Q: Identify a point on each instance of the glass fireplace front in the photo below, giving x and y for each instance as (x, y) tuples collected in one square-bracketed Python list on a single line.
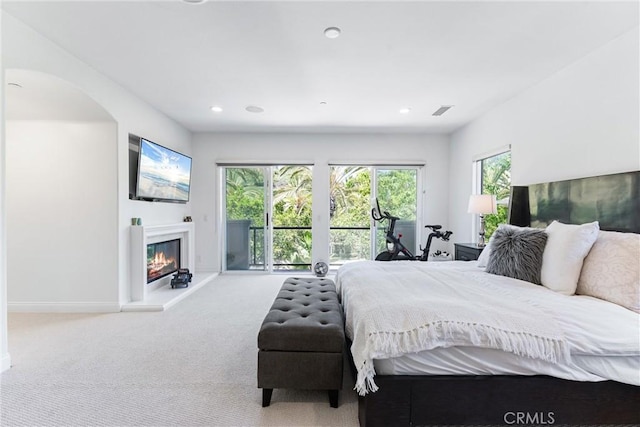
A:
[(163, 258)]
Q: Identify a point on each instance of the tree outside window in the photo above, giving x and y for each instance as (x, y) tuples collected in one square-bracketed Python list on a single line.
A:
[(496, 179), (350, 192)]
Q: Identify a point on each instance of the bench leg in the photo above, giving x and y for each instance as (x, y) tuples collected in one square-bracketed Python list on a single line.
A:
[(333, 398), (266, 397)]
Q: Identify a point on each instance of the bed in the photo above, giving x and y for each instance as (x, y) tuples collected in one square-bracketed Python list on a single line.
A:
[(553, 339)]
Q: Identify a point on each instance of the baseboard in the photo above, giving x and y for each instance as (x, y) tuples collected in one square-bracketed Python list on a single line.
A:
[(62, 307), (5, 362), (207, 269)]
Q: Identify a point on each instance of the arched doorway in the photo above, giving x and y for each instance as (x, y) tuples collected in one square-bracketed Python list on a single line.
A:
[(61, 197)]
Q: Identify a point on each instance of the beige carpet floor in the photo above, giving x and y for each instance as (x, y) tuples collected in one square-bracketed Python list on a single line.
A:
[(192, 365)]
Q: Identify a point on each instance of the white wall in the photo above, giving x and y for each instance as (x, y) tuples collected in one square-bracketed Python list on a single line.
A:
[(23, 48), (5, 357), (319, 150), (62, 252), (582, 121)]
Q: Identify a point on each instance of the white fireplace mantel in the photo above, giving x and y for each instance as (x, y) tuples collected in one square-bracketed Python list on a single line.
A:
[(141, 235)]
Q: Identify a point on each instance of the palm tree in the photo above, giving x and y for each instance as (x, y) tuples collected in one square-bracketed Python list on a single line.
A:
[(244, 194), (293, 187), (496, 179), (344, 188), (248, 180), (496, 175)]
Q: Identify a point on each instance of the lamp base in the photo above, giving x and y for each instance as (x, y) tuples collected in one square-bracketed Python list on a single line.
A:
[(481, 233)]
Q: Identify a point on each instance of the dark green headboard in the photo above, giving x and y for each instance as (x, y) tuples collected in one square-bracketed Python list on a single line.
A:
[(613, 200)]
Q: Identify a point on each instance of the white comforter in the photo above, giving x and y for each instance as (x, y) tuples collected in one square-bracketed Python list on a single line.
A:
[(395, 308)]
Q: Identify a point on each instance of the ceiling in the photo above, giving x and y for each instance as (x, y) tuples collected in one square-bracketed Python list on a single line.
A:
[(37, 97), (184, 58)]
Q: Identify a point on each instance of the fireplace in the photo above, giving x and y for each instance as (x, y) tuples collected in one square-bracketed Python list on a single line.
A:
[(144, 235), (163, 258)]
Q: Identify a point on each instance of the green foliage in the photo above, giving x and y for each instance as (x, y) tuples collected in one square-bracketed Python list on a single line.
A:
[(292, 195), (491, 222), (397, 192), (245, 194), (350, 201), (496, 179), (350, 193)]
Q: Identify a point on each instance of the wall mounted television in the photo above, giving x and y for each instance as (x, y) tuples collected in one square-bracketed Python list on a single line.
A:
[(163, 175)]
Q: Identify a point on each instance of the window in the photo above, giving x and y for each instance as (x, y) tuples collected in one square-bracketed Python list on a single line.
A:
[(349, 214), (268, 217), (268, 221), (493, 176), (353, 235)]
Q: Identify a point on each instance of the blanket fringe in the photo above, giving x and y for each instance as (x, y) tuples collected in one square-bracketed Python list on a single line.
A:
[(364, 382), (451, 333)]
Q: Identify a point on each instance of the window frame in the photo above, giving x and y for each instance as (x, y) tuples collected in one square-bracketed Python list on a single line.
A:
[(477, 184)]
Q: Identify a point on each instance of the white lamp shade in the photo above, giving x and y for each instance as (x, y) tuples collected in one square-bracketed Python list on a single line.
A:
[(482, 204)]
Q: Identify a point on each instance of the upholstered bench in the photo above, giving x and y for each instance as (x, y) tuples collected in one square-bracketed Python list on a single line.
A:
[(301, 341)]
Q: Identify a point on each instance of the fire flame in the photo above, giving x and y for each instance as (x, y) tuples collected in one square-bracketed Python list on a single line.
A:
[(158, 263)]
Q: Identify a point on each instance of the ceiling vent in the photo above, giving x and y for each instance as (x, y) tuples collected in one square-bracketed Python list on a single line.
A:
[(443, 109)]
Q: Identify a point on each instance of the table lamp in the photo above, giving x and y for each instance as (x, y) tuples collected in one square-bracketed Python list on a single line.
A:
[(482, 204)]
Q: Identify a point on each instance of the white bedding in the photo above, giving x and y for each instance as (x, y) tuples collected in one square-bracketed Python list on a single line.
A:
[(482, 361), (603, 338)]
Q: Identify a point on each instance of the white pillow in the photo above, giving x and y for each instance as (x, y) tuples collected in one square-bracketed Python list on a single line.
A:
[(567, 246), (483, 259), (611, 271)]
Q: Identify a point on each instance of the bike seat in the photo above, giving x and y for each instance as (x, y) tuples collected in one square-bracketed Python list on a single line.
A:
[(433, 227)]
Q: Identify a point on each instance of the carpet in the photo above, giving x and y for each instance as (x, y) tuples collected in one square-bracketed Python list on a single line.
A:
[(192, 365)]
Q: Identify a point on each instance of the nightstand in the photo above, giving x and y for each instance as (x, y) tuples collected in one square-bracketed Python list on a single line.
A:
[(467, 251)]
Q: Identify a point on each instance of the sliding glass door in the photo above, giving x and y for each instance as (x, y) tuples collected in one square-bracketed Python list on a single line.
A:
[(349, 214), (397, 192), (246, 218), (268, 218), (268, 214), (291, 213), (353, 235)]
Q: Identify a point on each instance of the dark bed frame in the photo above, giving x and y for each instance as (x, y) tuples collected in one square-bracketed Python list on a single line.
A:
[(613, 200)]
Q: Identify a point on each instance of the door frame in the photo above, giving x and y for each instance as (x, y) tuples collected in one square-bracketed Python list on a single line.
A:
[(268, 171), (222, 169), (419, 204)]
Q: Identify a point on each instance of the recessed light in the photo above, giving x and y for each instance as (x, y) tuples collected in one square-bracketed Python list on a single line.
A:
[(216, 109), (405, 110), (193, 1), (323, 102), (254, 109), (332, 32)]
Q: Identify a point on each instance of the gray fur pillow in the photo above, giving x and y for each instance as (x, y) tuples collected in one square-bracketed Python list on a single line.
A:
[(517, 253)]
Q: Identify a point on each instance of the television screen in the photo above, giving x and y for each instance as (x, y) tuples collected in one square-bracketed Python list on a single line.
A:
[(163, 174)]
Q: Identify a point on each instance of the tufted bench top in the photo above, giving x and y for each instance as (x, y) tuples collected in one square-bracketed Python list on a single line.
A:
[(306, 317)]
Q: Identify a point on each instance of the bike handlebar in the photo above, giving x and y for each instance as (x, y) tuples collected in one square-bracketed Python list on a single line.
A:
[(389, 216), (378, 215), (446, 235)]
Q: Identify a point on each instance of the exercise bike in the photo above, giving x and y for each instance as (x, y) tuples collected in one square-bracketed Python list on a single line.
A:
[(396, 251), (435, 232)]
